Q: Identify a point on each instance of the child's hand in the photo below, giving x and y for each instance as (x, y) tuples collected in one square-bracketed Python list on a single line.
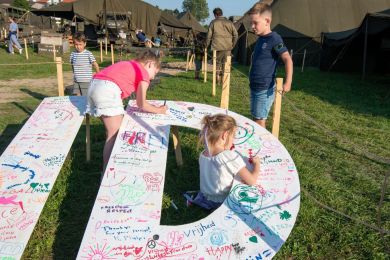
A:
[(163, 109), (286, 87), (256, 160)]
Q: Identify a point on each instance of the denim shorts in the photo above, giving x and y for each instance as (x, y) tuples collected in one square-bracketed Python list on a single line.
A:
[(261, 102), (104, 99)]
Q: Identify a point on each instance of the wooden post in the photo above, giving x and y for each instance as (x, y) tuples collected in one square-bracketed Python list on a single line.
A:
[(54, 53), (277, 107), (191, 61), (112, 54), (32, 40), (60, 77), (214, 71), (303, 61), (105, 41), (101, 51), (188, 60), (87, 138), (1, 34), (205, 65), (226, 84), (177, 145), (25, 48)]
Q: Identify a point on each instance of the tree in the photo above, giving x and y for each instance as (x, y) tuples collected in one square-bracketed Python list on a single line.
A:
[(21, 4), (198, 8), (172, 12)]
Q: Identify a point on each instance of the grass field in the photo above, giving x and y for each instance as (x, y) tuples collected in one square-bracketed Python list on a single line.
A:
[(351, 119)]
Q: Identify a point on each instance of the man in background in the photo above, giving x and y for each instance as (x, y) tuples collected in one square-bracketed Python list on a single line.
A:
[(222, 36)]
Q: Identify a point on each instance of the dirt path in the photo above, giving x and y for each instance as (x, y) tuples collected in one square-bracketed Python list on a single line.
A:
[(18, 89)]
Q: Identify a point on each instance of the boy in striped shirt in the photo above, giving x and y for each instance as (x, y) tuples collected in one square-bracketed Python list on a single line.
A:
[(82, 61)]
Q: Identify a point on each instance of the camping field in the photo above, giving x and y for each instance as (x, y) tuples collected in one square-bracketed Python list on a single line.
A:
[(335, 127)]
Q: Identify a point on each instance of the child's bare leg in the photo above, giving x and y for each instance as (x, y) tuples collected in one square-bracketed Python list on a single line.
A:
[(260, 122), (112, 125)]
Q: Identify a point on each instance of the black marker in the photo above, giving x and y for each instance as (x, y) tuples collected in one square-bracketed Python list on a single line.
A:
[(165, 101)]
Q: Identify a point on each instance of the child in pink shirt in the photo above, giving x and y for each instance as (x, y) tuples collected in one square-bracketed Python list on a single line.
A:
[(117, 82)]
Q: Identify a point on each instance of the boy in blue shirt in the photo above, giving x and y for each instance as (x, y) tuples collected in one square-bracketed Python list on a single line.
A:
[(13, 37), (269, 48)]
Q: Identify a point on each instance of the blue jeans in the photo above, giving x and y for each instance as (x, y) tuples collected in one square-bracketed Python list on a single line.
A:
[(13, 40), (261, 102)]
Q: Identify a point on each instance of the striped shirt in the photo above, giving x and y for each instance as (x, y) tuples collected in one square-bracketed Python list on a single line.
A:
[(82, 65)]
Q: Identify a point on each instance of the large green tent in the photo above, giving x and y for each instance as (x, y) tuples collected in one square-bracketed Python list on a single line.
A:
[(188, 19), (143, 15)]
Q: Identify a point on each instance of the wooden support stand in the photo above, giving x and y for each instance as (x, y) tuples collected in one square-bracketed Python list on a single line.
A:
[(214, 72), (112, 54), (277, 107), (191, 61), (105, 42), (25, 48), (87, 138), (54, 53), (60, 77), (205, 65), (177, 145), (188, 60), (303, 61), (226, 84), (101, 51)]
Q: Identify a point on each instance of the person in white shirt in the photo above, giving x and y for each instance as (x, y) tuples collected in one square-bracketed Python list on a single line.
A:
[(218, 163)]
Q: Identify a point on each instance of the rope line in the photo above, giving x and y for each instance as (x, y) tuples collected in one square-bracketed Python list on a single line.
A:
[(380, 230), (354, 147), (26, 64)]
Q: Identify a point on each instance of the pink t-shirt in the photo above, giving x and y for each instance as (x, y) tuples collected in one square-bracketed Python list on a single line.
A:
[(126, 74)]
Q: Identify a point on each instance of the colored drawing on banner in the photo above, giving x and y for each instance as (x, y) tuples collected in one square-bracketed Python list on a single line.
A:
[(30, 165), (253, 222)]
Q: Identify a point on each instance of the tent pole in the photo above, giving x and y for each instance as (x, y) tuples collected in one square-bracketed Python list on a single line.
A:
[(365, 50), (105, 18)]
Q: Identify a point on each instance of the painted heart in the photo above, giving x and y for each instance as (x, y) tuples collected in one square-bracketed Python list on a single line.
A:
[(253, 239), (138, 250)]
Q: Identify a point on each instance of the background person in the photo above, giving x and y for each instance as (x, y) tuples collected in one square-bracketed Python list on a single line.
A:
[(82, 61), (13, 36), (269, 48), (218, 163), (222, 35), (118, 82)]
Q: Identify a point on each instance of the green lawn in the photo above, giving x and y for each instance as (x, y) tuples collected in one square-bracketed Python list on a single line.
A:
[(333, 167)]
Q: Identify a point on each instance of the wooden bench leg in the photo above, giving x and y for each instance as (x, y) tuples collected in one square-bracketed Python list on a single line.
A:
[(87, 138), (176, 145)]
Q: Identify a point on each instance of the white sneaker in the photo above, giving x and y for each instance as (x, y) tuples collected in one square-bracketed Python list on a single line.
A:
[(12, 53), (21, 51)]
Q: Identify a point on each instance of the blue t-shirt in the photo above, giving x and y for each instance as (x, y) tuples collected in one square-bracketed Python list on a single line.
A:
[(141, 37), (264, 61), (13, 27)]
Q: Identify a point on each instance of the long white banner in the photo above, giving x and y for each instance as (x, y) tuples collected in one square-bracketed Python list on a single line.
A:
[(30, 165)]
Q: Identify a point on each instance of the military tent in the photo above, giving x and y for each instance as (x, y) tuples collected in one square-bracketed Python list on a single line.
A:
[(188, 19), (143, 15), (365, 49)]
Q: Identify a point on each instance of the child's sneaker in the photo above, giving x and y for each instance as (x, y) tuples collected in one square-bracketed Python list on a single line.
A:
[(21, 51)]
